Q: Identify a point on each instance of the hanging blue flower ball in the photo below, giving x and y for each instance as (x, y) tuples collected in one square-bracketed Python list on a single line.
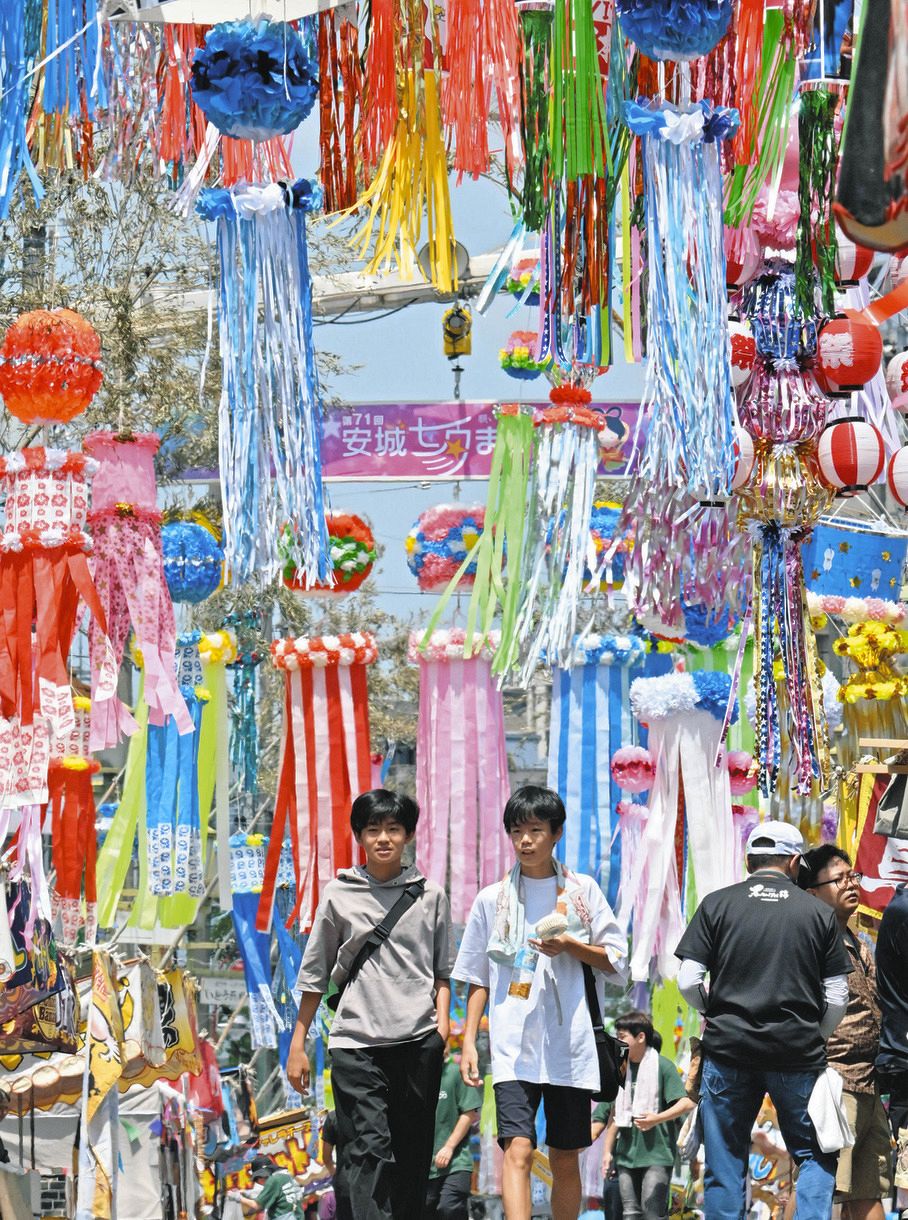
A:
[(254, 79), (675, 29), (193, 559), (705, 626)]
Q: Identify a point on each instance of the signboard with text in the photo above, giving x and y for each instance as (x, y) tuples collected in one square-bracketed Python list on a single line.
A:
[(417, 442)]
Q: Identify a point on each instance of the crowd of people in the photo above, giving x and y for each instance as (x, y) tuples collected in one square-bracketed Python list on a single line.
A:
[(785, 984)]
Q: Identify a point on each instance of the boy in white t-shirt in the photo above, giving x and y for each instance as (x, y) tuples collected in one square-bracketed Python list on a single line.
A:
[(540, 1028)]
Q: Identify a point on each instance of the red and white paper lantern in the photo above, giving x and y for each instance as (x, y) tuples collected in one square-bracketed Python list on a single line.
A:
[(897, 476), (849, 353), (743, 352), (743, 257), (851, 455), (852, 262), (745, 456), (897, 381)]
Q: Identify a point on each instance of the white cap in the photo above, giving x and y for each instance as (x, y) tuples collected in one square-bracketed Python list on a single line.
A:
[(774, 839)]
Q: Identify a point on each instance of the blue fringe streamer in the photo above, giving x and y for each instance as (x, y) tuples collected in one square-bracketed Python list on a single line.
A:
[(20, 31)]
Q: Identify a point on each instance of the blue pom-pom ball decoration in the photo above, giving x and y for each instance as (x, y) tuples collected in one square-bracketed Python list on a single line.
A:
[(675, 29), (254, 79), (193, 560)]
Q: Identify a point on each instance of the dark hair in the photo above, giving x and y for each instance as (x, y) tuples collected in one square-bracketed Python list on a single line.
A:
[(636, 1022), (759, 861), (657, 1040), (380, 805), (534, 802), (814, 861)]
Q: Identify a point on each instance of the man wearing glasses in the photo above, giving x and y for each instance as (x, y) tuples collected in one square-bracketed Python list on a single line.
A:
[(864, 1172)]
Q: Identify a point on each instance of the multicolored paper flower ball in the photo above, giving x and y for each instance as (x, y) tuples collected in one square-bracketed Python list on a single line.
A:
[(352, 552), (50, 366), (517, 356), (523, 278), (674, 29), (440, 541), (193, 560), (254, 79), (633, 769)]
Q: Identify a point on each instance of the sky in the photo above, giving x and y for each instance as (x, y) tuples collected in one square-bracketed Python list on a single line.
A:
[(400, 360)]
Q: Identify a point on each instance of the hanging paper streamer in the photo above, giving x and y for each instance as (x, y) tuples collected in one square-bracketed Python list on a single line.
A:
[(173, 832), (270, 402), (247, 870), (560, 546), (244, 632), (690, 435), (129, 574), (684, 714), (818, 159), (44, 573), (340, 94), (461, 766), (325, 763), (501, 542), (216, 651), (20, 30), (536, 29), (72, 827), (577, 117), (589, 717)]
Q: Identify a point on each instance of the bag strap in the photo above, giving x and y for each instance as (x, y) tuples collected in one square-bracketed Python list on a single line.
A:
[(380, 934), (592, 999)]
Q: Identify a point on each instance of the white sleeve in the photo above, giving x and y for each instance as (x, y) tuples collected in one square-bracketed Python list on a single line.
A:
[(472, 964), (606, 932), (835, 989), (692, 984)]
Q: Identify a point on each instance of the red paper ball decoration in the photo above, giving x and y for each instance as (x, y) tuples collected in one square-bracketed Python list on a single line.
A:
[(743, 352), (851, 455), (852, 262), (50, 366), (897, 381), (849, 353), (897, 475), (745, 456)]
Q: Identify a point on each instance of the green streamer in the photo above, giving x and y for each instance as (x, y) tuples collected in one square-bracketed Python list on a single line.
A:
[(116, 852), (501, 542), (777, 82), (536, 25), (816, 189), (577, 122)]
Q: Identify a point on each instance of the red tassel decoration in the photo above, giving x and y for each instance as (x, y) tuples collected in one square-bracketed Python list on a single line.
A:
[(340, 94), (380, 100), (465, 91)]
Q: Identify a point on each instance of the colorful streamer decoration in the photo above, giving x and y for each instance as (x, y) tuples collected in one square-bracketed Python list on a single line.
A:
[(132, 587), (590, 714), (72, 828), (247, 874), (684, 713), (461, 765), (173, 829), (270, 401), (690, 436), (44, 573), (340, 95), (325, 763)]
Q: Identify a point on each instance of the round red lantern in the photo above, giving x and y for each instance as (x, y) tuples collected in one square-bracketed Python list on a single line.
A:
[(743, 352), (50, 366), (743, 257), (897, 475), (851, 455), (745, 456), (897, 381), (849, 353), (852, 262)]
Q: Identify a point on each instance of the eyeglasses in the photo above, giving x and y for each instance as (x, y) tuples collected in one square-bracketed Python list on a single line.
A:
[(851, 878)]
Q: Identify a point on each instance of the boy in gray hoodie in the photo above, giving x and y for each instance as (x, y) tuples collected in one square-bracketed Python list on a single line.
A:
[(387, 1041)]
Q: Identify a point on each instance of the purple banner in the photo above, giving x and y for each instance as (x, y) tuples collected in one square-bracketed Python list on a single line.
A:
[(417, 441)]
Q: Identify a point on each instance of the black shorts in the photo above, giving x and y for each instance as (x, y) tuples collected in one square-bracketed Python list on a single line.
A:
[(567, 1113)]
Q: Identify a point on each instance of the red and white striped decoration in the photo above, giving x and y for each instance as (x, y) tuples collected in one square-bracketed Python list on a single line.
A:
[(897, 381), (745, 456), (851, 455), (897, 475), (743, 352), (849, 352), (852, 262)]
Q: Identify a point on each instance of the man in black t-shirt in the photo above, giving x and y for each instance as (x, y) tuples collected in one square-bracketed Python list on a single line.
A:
[(892, 989), (777, 988)]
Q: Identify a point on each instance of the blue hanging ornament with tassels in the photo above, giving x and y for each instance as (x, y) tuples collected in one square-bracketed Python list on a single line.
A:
[(676, 30)]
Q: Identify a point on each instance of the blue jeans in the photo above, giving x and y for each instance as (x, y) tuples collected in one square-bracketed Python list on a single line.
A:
[(730, 1100)]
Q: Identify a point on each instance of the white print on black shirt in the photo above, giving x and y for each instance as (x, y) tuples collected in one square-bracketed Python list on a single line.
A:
[(765, 894)]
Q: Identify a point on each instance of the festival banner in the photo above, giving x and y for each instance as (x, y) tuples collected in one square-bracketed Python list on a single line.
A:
[(419, 441)]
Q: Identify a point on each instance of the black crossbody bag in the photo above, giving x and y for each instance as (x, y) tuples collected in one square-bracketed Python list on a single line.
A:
[(376, 937), (610, 1051)]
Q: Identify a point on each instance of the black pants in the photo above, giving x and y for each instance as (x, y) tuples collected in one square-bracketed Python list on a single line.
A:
[(448, 1197), (384, 1101)]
